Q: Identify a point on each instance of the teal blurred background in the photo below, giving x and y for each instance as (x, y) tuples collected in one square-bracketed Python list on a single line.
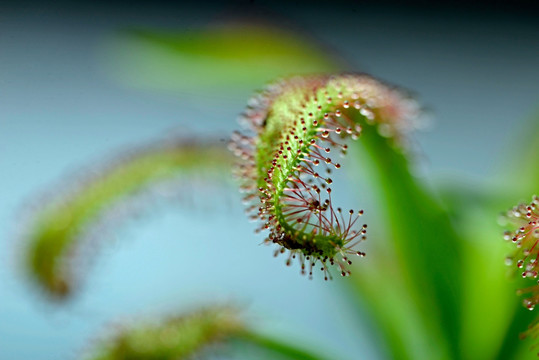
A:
[(71, 95)]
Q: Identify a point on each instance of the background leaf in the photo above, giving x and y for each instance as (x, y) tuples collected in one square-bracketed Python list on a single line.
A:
[(424, 253), (58, 227), (213, 60)]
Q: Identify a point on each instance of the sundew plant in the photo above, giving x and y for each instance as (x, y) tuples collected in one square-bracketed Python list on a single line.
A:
[(442, 283)]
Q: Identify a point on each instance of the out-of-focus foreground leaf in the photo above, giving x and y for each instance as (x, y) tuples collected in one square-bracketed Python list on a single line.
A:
[(487, 316), (212, 60), (177, 337), (58, 227), (518, 179), (413, 287), (196, 333), (492, 315)]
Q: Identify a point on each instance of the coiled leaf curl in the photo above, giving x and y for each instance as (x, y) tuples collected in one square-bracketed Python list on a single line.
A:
[(286, 160)]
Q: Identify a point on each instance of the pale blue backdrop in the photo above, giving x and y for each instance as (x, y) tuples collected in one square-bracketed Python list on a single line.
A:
[(60, 112)]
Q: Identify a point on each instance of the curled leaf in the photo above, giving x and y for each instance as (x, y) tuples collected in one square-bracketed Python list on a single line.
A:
[(286, 161), (57, 229)]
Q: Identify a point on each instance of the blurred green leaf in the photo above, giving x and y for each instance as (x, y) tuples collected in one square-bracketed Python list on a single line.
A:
[(426, 253), (516, 181), (278, 348), (57, 228), (213, 60), (490, 302), (387, 305), (176, 337), (194, 334)]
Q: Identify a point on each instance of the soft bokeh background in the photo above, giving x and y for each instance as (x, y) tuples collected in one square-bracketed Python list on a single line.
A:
[(71, 96)]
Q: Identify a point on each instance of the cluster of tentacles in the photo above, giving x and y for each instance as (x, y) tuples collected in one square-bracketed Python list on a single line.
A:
[(526, 239), (286, 160)]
